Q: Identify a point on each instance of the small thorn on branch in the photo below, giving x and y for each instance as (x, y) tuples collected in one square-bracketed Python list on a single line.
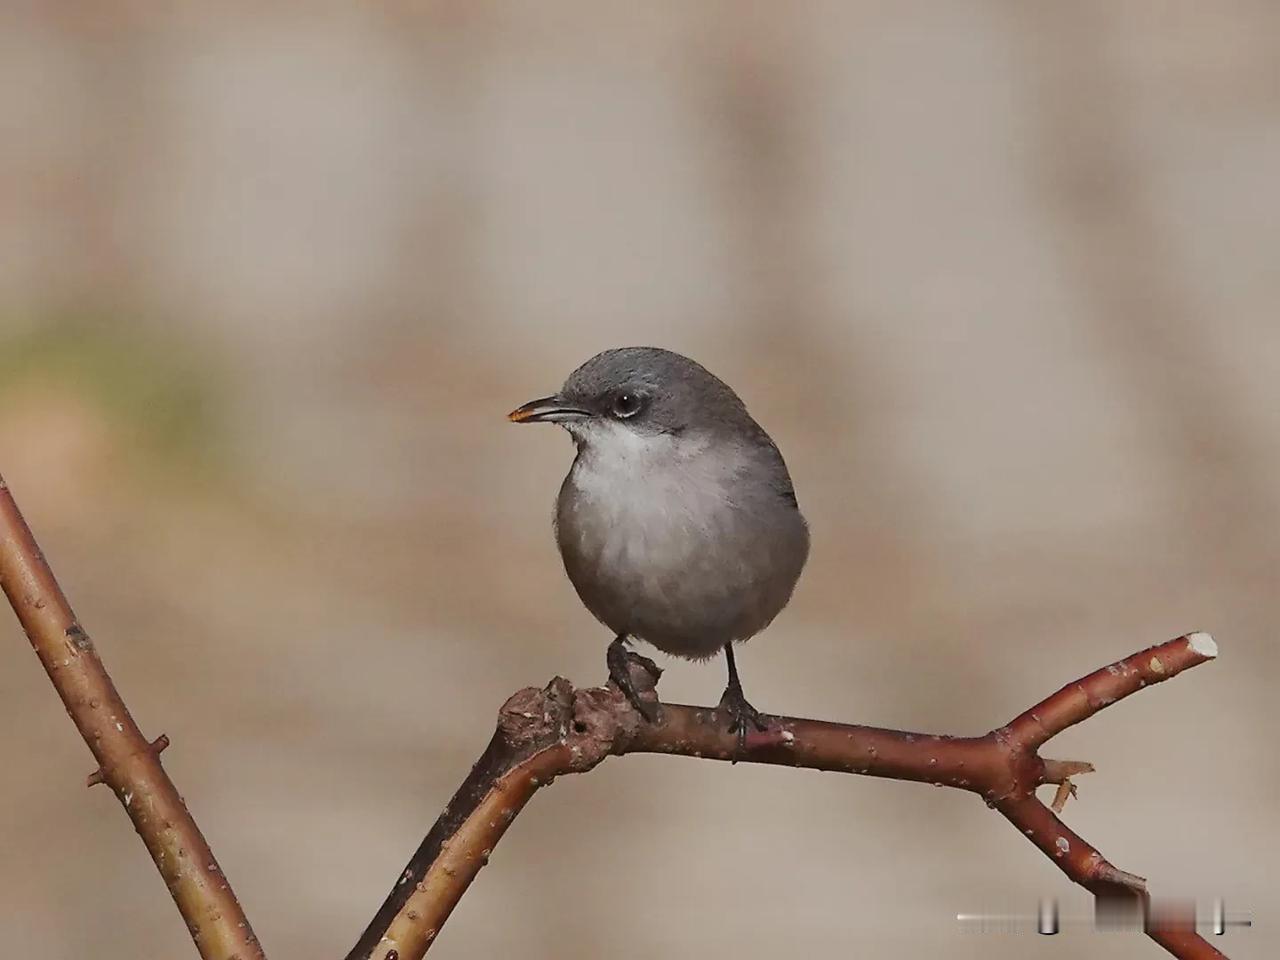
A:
[(1121, 878), (210, 909), (1065, 789), (158, 746), (1061, 772)]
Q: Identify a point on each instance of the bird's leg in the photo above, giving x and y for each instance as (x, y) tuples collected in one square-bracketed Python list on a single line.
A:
[(619, 659), (735, 704)]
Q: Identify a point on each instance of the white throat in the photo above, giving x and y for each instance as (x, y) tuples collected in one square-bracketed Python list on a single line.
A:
[(645, 476)]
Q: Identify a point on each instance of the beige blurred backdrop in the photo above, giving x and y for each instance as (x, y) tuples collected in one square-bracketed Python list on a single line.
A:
[(1001, 278)]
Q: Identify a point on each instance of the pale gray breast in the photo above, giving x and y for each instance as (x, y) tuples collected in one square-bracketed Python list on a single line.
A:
[(665, 539)]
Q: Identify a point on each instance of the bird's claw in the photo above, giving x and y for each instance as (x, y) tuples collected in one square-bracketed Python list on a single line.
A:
[(741, 716), (620, 659)]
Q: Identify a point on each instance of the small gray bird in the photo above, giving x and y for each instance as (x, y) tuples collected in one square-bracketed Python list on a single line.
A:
[(677, 523)]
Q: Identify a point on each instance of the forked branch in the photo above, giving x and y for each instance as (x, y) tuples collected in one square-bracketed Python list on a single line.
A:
[(543, 733)]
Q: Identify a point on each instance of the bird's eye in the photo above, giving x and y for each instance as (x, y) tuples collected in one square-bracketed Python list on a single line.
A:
[(627, 405)]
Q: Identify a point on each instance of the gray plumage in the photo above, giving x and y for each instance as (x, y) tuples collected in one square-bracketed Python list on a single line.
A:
[(677, 523)]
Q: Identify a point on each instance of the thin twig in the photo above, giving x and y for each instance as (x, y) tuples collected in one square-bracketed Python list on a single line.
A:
[(127, 761), (544, 733)]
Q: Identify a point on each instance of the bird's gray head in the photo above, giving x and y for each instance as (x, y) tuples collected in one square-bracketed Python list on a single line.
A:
[(645, 393)]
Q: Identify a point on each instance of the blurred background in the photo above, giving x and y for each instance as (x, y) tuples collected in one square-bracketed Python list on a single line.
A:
[(1000, 278)]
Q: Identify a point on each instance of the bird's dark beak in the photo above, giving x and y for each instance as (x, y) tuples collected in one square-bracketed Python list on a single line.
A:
[(547, 410)]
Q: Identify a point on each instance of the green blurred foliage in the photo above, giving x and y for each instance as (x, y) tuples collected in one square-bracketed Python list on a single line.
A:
[(153, 390)]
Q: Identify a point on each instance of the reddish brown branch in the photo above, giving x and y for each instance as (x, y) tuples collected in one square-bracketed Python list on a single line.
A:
[(127, 761), (544, 733)]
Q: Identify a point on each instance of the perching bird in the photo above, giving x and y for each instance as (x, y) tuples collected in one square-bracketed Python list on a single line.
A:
[(677, 523)]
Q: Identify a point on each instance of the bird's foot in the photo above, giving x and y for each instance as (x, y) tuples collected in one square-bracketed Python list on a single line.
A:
[(620, 661), (741, 715)]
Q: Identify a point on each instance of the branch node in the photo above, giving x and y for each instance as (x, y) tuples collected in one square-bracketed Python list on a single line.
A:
[(534, 716), (155, 747)]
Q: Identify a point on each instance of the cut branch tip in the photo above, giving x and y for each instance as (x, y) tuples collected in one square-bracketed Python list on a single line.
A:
[(1203, 644)]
